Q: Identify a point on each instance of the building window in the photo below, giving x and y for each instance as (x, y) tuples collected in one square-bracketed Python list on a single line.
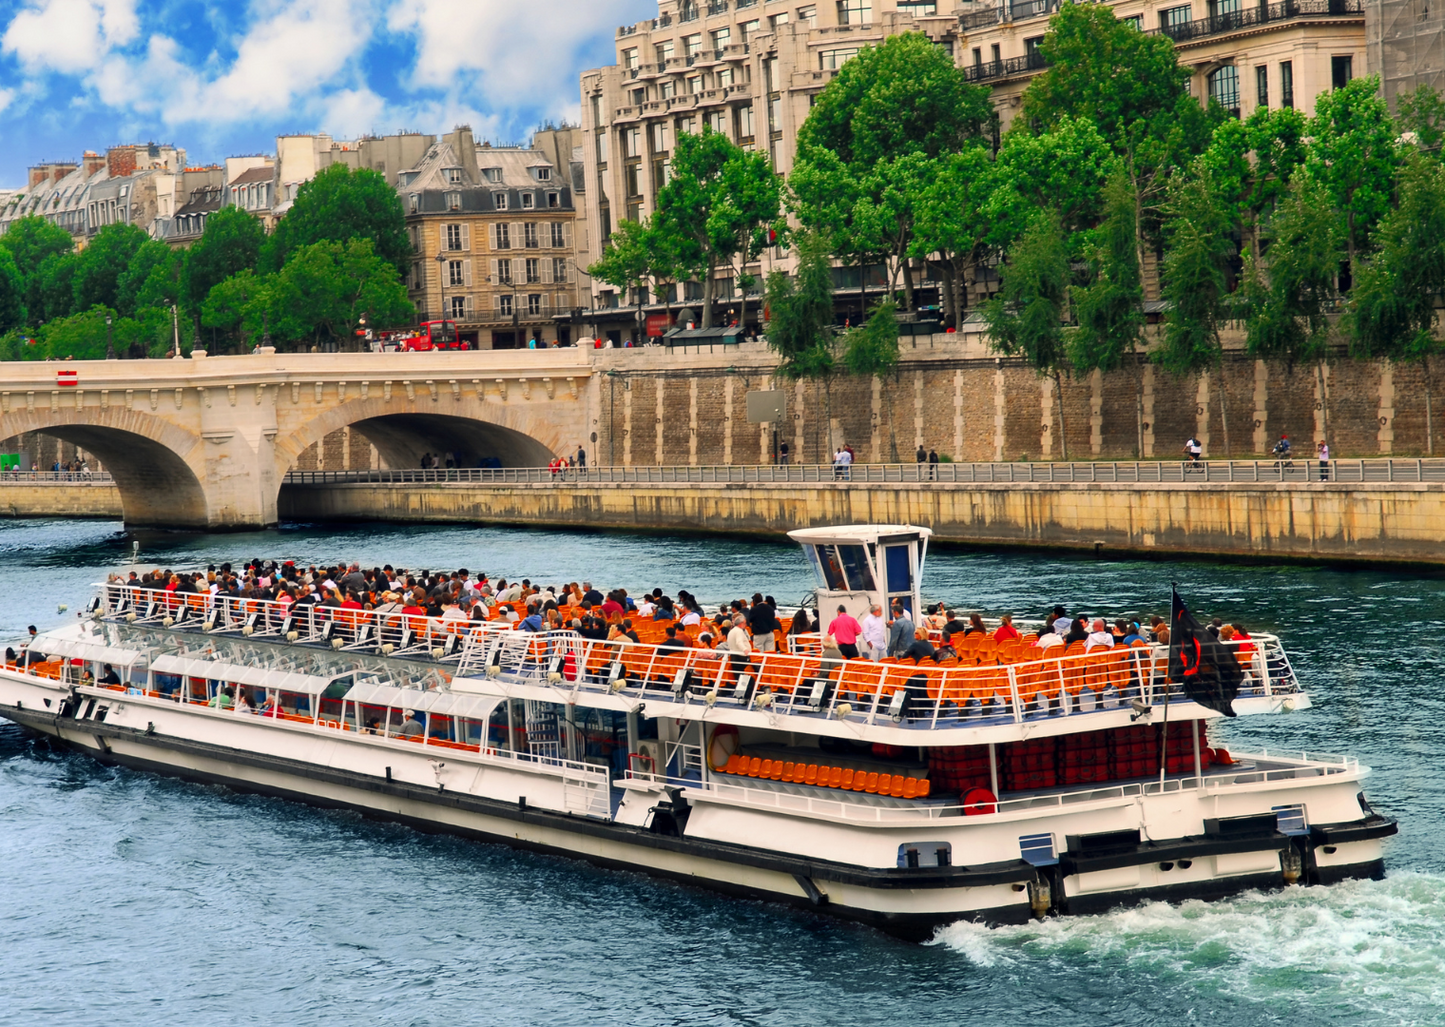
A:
[(499, 200), (504, 236), (995, 54), (777, 20), (534, 304), (745, 123), (692, 45), (1286, 83), (632, 142), (455, 275), (667, 90), (852, 12), (748, 29), (454, 201), (918, 8), (454, 237), (554, 199), (629, 58), (718, 121), (1261, 86), (415, 204), (529, 200), (454, 176), (639, 96), (534, 270), (1342, 69), (492, 174), (529, 235), (601, 146), (504, 305), (664, 54), (687, 125), (1135, 20), (1173, 17), (1224, 88), (504, 271), (831, 60), (808, 16), (722, 38), (724, 77), (1222, 9), (544, 174), (694, 85), (459, 307), (559, 269), (558, 237), (632, 177), (687, 10), (661, 137)]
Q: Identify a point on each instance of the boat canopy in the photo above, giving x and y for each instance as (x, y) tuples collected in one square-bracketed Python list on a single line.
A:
[(234, 673), (443, 704), (87, 649)]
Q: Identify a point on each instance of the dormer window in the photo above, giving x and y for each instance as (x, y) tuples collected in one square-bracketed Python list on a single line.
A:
[(492, 174), (528, 201), (544, 174), (415, 203), (454, 176), (454, 201), (500, 200)]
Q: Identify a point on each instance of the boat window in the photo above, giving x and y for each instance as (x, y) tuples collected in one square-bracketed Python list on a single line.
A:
[(925, 854), (900, 576), (829, 570), (855, 563)]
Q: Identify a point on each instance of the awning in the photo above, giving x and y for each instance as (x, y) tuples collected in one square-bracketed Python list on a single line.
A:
[(80, 649), (236, 674), (442, 704)]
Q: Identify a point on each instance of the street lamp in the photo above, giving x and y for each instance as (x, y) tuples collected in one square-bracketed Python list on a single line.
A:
[(109, 344), (441, 280)]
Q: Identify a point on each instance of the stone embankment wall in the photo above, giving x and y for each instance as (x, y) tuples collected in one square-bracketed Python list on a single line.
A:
[(1383, 523), (43, 499), (950, 395)]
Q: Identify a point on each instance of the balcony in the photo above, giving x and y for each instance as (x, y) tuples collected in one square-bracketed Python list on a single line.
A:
[(687, 14), (626, 30), (720, 7), (978, 19), (1010, 68), (662, 22), (735, 51), (1026, 9), (1264, 14)]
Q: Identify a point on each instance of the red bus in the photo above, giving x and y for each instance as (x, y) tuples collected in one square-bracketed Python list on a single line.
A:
[(433, 335)]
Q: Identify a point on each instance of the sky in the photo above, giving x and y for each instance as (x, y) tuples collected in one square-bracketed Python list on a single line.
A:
[(225, 79)]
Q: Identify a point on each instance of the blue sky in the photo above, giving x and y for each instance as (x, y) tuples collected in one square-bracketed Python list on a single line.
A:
[(224, 79)]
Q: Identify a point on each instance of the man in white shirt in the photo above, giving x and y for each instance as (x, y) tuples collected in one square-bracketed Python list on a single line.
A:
[(875, 632), (1101, 636), (738, 639), (1049, 639), (645, 606)]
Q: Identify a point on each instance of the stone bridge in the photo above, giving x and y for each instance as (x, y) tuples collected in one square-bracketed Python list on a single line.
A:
[(205, 442)]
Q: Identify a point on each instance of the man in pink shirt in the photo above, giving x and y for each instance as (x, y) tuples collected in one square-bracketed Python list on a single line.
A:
[(845, 631)]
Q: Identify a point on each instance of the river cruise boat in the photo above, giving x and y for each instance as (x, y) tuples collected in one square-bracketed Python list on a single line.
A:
[(1003, 783)]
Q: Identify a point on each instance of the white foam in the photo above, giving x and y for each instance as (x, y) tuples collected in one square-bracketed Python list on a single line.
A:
[(1374, 946)]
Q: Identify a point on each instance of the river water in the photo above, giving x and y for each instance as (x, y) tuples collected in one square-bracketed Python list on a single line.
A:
[(134, 899)]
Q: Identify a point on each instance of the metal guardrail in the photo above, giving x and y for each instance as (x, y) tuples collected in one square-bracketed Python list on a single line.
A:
[(56, 478), (1142, 472)]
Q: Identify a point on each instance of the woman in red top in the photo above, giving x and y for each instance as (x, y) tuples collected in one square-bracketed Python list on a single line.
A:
[(1006, 629)]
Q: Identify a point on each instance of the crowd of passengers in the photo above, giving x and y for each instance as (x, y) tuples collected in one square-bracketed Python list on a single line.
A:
[(741, 626)]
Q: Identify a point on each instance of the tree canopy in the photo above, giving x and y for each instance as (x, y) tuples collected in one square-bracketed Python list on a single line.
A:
[(339, 204)]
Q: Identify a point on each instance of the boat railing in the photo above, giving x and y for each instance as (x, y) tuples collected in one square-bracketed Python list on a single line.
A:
[(871, 809), (983, 687)]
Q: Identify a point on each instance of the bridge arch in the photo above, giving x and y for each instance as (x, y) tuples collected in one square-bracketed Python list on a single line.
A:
[(403, 430), (153, 461)]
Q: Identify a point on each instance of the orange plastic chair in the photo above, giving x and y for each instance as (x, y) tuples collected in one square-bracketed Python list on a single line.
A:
[(755, 766), (767, 769), (788, 771), (835, 776), (860, 781), (909, 788), (777, 774), (810, 776), (899, 781), (872, 786), (846, 782), (923, 787), (885, 784)]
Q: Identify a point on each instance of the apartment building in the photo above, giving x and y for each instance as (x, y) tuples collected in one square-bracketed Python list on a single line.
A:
[(751, 68), (493, 230)]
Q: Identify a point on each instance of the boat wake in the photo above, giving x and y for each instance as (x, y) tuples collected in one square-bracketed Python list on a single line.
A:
[(1373, 948)]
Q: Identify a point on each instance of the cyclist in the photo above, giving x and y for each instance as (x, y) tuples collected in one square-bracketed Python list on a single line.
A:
[(1282, 452), (1193, 450)]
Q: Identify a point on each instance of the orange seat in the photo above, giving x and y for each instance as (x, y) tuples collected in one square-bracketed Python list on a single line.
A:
[(846, 781), (860, 781), (777, 774), (872, 786), (733, 765), (885, 783), (909, 788), (767, 769), (810, 776), (923, 787), (896, 790), (835, 776), (788, 771), (755, 766)]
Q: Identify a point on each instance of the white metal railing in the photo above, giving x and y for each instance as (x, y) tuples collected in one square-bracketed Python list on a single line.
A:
[(1148, 472), (988, 686), (17, 477)]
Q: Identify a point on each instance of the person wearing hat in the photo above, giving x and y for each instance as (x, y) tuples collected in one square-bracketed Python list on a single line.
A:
[(411, 725)]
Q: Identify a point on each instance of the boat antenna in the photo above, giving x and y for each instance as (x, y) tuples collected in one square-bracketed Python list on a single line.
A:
[(134, 552)]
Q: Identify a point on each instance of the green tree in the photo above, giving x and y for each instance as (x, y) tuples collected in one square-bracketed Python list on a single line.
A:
[(338, 205), (230, 244), (1195, 278), (237, 307), (717, 199), (12, 293), (1025, 319), (1109, 309), (324, 289), (868, 145), (134, 287), (800, 311), (1352, 152), (99, 266), (1065, 168), (1290, 294), (30, 241), (54, 287), (951, 221), (1391, 313), (1422, 113), (626, 262)]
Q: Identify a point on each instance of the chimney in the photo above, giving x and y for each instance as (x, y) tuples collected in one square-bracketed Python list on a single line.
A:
[(120, 161), (465, 148), (94, 162)]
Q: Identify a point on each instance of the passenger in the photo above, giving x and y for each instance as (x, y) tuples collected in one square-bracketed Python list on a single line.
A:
[(109, 676), (1060, 623), (1048, 639), (975, 626), (1132, 635), (373, 726), (673, 640), (272, 706), (224, 699), (738, 641), (1006, 630), (936, 618), (875, 633), (1100, 637), (411, 725), (920, 648), (900, 630), (1077, 631), (762, 622), (953, 626), (801, 624), (243, 705), (845, 631)]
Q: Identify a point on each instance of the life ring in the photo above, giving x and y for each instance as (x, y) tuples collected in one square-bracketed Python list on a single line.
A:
[(978, 802), (723, 745)]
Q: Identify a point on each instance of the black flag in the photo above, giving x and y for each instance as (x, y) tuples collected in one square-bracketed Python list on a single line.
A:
[(1204, 665)]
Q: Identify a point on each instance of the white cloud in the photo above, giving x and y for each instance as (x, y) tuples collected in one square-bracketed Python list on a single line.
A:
[(510, 53), (7, 96), (69, 35)]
